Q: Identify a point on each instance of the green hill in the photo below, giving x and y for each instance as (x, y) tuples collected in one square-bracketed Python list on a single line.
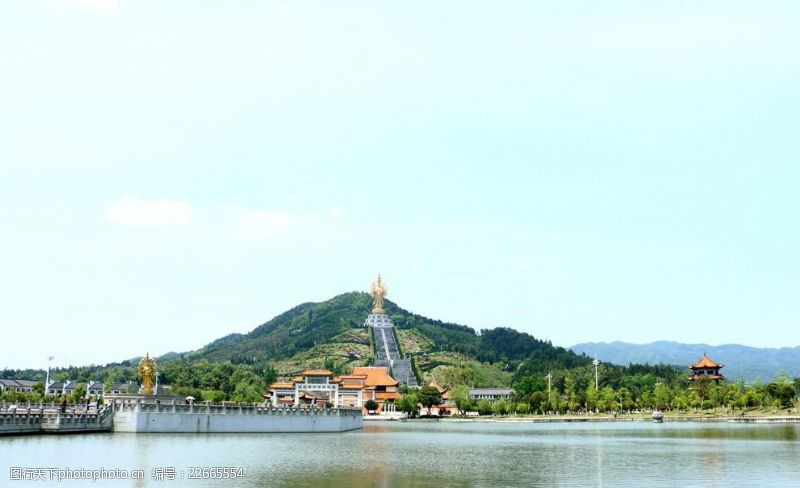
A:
[(329, 334)]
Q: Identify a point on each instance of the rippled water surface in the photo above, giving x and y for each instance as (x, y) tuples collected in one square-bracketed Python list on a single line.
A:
[(440, 454)]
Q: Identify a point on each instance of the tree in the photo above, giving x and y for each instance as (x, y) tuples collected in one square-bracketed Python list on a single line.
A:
[(500, 407), (591, 397), (408, 404), (460, 395), (662, 396), (702, 385), (428, 397), (783, 393), (371, 406), (625, 398), (538, 400), (606, 399), (212, 395), (527, 385), (484, 407), (246, 392), (79, 393)]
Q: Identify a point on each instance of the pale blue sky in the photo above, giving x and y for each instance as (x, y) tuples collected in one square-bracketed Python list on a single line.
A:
[(172, 172)]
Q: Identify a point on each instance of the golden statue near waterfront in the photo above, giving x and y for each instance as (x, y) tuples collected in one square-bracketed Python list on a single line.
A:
[(147, 368), (379, 290)]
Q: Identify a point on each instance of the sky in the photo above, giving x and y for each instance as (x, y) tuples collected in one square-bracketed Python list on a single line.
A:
[(175, 171)]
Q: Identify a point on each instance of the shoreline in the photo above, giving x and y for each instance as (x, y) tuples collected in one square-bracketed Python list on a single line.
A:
[(751, 419)]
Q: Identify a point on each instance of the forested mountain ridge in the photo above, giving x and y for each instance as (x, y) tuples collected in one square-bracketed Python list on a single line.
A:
[(748, 363)]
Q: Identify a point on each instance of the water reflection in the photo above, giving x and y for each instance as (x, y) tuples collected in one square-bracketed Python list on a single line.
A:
[(444, 454)]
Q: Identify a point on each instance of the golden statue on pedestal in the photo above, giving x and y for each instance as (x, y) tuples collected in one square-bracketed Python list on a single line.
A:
[(147, 368), (379, 290)]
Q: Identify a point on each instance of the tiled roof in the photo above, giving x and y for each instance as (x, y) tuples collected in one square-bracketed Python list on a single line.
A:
[(387, 395), (376, 376), (351, 381), (130, 387), (351, 377), (317, 372), (490, 391), (706, 362)]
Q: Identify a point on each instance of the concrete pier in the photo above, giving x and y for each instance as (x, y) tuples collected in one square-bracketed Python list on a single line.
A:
[(140, 416), (202, 418)]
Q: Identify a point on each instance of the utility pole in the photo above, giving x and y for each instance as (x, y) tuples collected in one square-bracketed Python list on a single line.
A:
[(549, 379), (47, 378), (596, 363)]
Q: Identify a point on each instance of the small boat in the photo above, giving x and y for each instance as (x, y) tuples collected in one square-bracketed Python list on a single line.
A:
[(658, 416)]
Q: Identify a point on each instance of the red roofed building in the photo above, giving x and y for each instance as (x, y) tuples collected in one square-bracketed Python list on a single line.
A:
[(378, 386), (318, 387), (706, 368)]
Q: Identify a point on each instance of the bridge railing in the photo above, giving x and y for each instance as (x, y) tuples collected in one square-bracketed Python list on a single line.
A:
[(52, 416), (228, 408)]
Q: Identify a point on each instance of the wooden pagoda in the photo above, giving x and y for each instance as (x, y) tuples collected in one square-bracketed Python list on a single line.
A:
[(706, 368)]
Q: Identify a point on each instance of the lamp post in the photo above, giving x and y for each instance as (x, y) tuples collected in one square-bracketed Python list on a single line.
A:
[(47, 378), (596, 363), (549, 378), (156, 391)]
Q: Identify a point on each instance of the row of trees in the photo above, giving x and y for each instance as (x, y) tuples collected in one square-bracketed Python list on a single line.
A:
[(204, 380), (37, 395), (642, 388)]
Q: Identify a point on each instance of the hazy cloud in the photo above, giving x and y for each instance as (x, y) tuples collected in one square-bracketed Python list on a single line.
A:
[(523, 262), (95, 4), (336, 212), (264, 223), (136, 212)]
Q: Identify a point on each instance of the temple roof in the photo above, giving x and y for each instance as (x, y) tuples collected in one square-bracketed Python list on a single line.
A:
[(317, 372), (376, 376), (706, 362), (351, 381)]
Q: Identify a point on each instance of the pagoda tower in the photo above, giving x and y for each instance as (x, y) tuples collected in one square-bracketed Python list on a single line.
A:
[(706, 368)]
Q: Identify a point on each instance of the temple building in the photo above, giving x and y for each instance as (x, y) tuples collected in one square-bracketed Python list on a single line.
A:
[(448, 405), (379, 386), (320, 388), (706, 368)]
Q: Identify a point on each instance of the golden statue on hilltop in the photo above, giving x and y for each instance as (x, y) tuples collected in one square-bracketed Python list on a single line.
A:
[(379, 290), (147, 368)]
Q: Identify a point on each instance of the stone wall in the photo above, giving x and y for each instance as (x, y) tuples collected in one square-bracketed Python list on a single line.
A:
[(202, 419)]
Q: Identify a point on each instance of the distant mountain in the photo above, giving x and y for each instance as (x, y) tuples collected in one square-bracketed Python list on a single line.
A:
[(740, 361)]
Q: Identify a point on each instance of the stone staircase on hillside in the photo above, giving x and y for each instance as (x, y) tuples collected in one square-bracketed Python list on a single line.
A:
[(387, 354)]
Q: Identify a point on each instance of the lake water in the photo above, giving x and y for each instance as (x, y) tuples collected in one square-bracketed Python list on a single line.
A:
[(437, 454)]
